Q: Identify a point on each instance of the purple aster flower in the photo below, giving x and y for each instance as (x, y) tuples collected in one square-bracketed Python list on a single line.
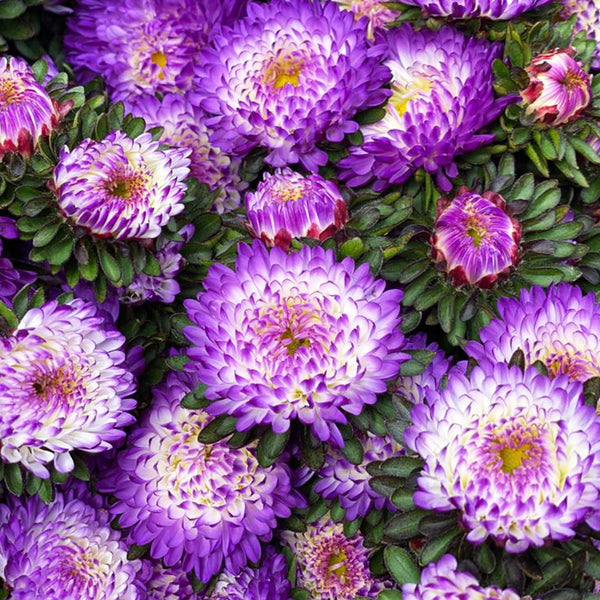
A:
[(288, 205), (559, 89), (475, 241), (294, 336), (26, 110), (158, 582), (163, 287), (63, 387), (195, 503), (377, 12), (467, 9), (121, 188), (587, 18), (64, 550), (441, 96), (290, 75), (142, 46), (559, 327), (330, 565), (517, 453), (11, 278), (417, 388), (184, 127), (267, 582), (339, 479), (442, 580)]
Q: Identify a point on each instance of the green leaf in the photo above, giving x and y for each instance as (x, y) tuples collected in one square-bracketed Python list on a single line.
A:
[(270, 447), (438, 546), (390, 595), (81, 470), (419, 360), (134, 127), (400, 565), (152, 266), (136, 551), (46, 491), (402, 498), (195, 399), (217, 429), (370, 116), (404, 526), (353, 451), (61, 249), (353, 248), (485, 559), (399, 466), (538, 160), (177, 362), (10, 9), (584, 149), (14, 478), (110, 266)]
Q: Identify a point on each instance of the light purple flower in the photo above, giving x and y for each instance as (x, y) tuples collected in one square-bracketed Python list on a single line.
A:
[(121, 188), (26, 110), (63, 387), (267, 582), (559, 89), (290, 75), (199, 504), (587, 19), (443, 580), (66, 550), (158, 582), (377, 12), (288, 205), (294, 336), (517, 453), (441, 96), (475, 241), (330, 565), (467, 9), (185, 127), (559, 327)]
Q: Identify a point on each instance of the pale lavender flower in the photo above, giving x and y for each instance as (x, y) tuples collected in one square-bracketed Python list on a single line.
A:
[(377, 13), (158, 582), (467, 9), (587, 19)]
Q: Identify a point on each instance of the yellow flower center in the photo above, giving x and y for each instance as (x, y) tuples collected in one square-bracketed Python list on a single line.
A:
[(336, 565), (288, 192), (11, 92), (60, 383), (512, 458), (284, 69), (295, 342), (573, 81), (404, 93)]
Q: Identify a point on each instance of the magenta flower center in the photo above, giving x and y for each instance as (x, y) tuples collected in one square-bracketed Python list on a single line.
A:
[(11, 92), (129, 184)]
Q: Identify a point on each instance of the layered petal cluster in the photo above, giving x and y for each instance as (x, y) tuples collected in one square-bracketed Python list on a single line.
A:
[(587, 19), (377, 12), (195, 503), (121, 188), (468, 9), (339, 479), (517, 453), (559, 89), (290, 75), (288, 205), (165, 583), (443, 580), (184, 127), (268, 582), (63, 386), (330, 565), (294, 336), (26, 110), (559, 326), (441, 96), (66, 550), (142, 46), (475, 241)]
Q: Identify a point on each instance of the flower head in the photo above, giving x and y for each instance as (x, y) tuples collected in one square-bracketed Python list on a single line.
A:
[(441, 96), (294, 336), (165, 583), (330, 565), (267, 582), (288, 76), (559, 327), (288, 205), (65, 550), (377, 12), (63, 386), (559, 89), (517, 453), (587, 19), (121, 188), (475, 240), (195, 503), (442, 580), (184, 127), (468, 9), (26, 110)]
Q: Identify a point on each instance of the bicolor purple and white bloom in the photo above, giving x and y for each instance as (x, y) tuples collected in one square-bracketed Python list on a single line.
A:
[(474, 240), (559, 326), (184, 127), (199, 504), (142, 46), (296, 336), (64, 550), (158, 582), (290, 75), (26, 110), (559, 89), (121, 188), (330, 565), (288, 205), (442, 95), (587, 19), (443, 580), (469, 9), (517, 453), (377, 13), (339, 479), (63, 387), (268, 582)]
